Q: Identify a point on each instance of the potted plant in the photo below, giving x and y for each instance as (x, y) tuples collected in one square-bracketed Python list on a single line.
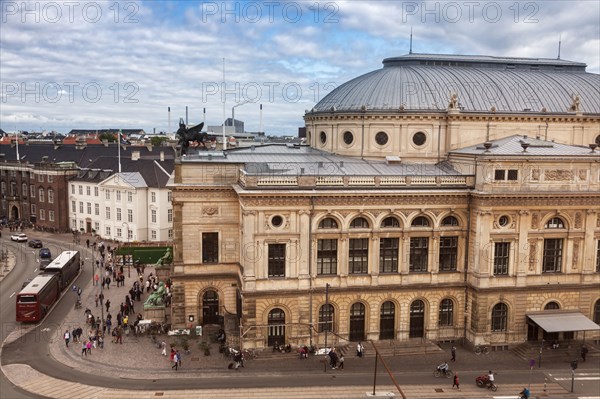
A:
[(205, 347)]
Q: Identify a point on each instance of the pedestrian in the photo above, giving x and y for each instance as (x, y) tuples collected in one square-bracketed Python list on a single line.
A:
[(341, 366), (360, 349), (179, 357), (584, 351), (87, 242), (88, 347), (455, 384), (67, 338), (453, 352), (163, 344), (84, 348), (96, 279), (173, 358), (96, 300), (333, 358), (107, 305)]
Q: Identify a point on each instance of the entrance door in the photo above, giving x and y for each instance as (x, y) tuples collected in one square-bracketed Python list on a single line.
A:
[(417, 319), (210, 307), (357, 322), (276, 330), (88, 226), (532, 331), (387, 318), (14, 213)]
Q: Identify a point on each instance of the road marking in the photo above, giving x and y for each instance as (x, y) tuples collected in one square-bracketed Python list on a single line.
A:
[(45, 329), (578, 379), (588, 397), (13, 294), (506, 397), (35, 270)]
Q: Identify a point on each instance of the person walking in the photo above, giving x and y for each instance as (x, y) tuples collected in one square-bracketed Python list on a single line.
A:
[(107, 305), (174, 359), (67, 338), (584, 351), (456, 383), (84, 348), (360, 349), (453, 352), (341, 365)]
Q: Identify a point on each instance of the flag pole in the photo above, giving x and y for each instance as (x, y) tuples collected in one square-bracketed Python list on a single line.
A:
[(119, 146)]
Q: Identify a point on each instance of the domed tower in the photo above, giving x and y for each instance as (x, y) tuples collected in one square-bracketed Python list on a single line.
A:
[(420, 106)]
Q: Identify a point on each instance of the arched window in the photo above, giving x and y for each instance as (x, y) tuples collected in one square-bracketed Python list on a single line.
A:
[(390, 222), (555, 223), (449, 221), (326, 313), (420, 221), (417, 319), (357, 322), (387, 317), (328, 223), (50, 196), (499, 317), (210, 307), (597, 312), (359, 223), (446, 317), (552, 306)]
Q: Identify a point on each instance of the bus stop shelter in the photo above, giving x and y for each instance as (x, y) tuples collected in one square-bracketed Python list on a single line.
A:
[(563, 321)]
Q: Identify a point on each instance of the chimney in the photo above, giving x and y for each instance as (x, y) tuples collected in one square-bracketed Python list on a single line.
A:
[(162, 156), (149, 146), (135, 155), (105, 142)]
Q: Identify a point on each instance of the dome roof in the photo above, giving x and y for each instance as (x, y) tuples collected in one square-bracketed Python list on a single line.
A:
[(424, 82)]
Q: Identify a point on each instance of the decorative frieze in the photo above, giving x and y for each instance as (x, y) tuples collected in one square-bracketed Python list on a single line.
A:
[(558, 175)]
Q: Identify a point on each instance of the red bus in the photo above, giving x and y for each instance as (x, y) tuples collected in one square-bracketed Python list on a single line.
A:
[(66, 266), (34, 301)]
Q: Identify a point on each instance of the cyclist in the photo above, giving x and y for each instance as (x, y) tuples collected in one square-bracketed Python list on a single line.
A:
[(443, 367), (524, 394)]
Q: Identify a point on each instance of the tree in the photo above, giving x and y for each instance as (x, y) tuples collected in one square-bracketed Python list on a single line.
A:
[(158, 140), (111, 138)]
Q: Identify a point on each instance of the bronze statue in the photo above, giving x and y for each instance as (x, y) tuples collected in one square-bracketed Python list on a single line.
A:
[(193, 134), (157, 297), (166, 259)]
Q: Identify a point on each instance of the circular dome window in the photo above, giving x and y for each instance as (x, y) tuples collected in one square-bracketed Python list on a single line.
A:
[(419, 138), (348, 138), (276, 221), (503, 221), (323, 137), (381, 138)]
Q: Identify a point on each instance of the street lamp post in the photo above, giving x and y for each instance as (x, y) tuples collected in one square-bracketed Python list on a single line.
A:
[(327, 324)]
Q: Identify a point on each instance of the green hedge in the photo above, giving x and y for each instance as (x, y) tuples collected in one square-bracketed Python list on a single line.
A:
[(147, 255)]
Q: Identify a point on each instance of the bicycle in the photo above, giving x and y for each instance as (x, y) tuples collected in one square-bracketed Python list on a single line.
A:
[(446, 373), (250, 354), (479, 349)]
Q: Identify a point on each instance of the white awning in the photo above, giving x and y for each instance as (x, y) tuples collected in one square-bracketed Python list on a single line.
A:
[(563, 321)]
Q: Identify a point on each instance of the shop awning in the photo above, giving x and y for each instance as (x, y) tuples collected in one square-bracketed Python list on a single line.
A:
[(563, 321)]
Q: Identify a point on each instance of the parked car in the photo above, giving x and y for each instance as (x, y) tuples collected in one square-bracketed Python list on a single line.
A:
[(19, 237), (45, 253), (35, 243)]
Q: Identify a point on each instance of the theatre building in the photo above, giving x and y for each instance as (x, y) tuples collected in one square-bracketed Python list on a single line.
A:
[(439, 197)]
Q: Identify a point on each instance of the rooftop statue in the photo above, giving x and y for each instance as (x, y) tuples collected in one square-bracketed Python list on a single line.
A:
[(192, 134)]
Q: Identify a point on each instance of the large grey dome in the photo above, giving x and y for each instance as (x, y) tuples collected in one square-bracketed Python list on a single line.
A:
[(424, 82)]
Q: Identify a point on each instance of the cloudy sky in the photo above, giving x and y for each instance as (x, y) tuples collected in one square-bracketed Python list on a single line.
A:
[(77, 64)]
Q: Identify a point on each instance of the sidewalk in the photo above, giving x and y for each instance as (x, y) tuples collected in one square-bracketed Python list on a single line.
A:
[(139, 359)]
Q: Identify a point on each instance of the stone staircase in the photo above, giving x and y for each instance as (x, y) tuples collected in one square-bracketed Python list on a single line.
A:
[(565, 351)]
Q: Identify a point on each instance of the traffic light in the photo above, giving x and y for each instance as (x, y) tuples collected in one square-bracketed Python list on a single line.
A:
[(574, 365)]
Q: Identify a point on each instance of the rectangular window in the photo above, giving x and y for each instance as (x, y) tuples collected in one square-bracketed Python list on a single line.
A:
[(153, 234), (89, 208), (107, 231), (327, 256), (153, 216), (170, 215), (598, 258), (130, 215), (501, 253), (210, 247), (96, 191), (97, 209), (552, 258), (107, 210), (41, 178), (170, 235), (32, 191), (448, 253), (51, 216), (513, 174), (118, 214), (118, 232), (80, 189), (88, 190), (72, 189), (73, 206), (97, 226), (499, 174), (50, 179), (388, 255), (42, 214), (276, 267), (41, 195), (80, 207), (51, 196), (129, 234), (107, 194), (358, 256), (24, 189), (74, 223), (118, 196), (33, 209), (170, 196), (129, 196), (419, 254), (153, 196)]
